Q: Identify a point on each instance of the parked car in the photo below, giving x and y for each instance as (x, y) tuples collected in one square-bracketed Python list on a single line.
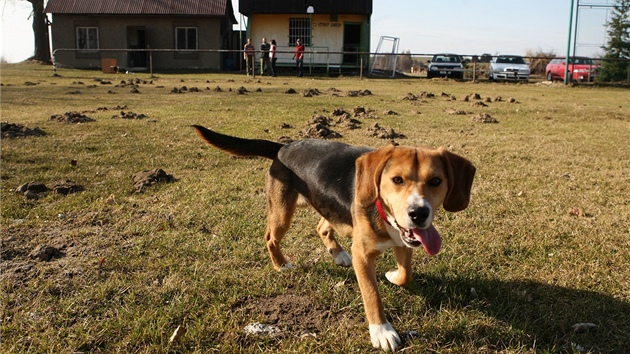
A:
[(580, 69), (509, 67), (446, 65)]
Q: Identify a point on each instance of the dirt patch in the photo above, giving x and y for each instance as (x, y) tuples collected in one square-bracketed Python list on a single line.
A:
[(53, 251), (72, 117), (293, 315), (148, 178), (10, 131)]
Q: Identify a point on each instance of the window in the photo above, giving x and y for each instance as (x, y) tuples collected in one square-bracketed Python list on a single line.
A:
[(186, 37), (300, 28), (87, 38)]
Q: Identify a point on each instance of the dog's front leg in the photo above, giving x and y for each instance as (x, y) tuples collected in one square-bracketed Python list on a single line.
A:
[(382, 334), (401, 276)]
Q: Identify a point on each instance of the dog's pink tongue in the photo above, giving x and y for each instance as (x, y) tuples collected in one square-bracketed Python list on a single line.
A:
[(430, 239)]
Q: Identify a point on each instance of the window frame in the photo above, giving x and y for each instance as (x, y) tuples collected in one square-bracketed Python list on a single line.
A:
[(187, 52), (187, 37), (87, 39), (300, 28)]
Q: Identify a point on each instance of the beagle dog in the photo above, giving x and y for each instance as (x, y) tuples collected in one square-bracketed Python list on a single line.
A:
[(381, 198)]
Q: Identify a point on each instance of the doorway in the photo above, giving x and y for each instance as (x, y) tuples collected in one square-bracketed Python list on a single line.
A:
[(351, 43), (137, 39)]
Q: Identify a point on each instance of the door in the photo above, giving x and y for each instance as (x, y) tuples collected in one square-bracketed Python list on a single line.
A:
[(351, 42), (137, 39)]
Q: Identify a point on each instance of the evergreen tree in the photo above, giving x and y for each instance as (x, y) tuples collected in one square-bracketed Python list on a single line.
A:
[(617, 50)]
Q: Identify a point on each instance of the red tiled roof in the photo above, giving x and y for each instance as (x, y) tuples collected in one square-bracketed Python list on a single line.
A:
[(139, 7)]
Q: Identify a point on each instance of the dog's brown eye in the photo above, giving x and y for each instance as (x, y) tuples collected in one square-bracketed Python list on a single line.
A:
[(397, 180), (435, 182)]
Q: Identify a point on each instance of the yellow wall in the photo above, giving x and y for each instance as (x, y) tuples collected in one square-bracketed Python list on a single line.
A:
[(327, 35)]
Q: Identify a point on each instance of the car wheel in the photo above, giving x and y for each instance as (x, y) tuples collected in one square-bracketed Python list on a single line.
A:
[(549, 76), (490, 77)]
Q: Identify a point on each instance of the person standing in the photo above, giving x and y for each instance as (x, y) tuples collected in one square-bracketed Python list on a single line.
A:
[(299, 57), (248, 55), (272, 56), (264, 57)]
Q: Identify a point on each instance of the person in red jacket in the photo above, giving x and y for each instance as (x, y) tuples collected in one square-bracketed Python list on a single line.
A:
[(299, 56)]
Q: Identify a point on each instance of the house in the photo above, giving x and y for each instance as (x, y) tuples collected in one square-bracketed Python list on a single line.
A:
[(326, 27), (181, 34)]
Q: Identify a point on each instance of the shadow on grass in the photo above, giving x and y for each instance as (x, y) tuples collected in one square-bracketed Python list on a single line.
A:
[(544, 313)]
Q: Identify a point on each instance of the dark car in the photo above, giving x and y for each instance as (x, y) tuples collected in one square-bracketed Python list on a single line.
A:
[(446, 65)]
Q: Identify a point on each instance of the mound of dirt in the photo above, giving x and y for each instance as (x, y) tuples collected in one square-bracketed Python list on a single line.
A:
[(484, 118), (348, 122), (148, 178), (319, 127), (129, 115), (361, 112), (65, 186), (409, 97), (10, 131), (383, 133), (453, 111), (359, 93), (310, 93), (72, 117)]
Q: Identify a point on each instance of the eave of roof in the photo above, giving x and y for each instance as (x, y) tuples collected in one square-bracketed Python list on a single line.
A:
[(142, 7)]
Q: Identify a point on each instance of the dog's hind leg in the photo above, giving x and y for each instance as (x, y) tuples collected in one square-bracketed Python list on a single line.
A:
[(281, 204), (327, 233)]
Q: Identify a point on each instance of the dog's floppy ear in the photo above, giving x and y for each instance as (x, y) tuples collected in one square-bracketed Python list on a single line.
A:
[(461, 173), (369, 168)]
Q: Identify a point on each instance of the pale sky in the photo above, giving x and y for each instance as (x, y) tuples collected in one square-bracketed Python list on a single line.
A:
[(471, 27)]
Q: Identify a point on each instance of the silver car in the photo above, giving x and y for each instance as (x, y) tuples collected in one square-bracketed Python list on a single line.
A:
[(509, 67)]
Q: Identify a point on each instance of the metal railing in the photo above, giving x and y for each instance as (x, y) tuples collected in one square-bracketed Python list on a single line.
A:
[(323, 58)]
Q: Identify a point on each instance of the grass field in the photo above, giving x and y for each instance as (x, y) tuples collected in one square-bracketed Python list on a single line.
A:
[(544, 245)]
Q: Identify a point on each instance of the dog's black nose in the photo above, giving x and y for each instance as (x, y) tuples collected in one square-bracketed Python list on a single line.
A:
[(419, 215)]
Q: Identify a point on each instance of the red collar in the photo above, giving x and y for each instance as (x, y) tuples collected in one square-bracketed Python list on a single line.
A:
[(379, 207)]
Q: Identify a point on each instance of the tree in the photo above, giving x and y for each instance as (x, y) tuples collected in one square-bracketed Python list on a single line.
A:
[(404, 62), (617, 48), (40, 30)]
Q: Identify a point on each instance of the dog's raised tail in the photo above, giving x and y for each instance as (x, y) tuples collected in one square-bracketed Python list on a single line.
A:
[(239, 146)]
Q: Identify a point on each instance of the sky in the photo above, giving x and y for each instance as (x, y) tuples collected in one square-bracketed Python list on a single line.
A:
[(467, 27)]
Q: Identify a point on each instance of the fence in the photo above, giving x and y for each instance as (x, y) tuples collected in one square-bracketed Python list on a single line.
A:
[(321, 58)]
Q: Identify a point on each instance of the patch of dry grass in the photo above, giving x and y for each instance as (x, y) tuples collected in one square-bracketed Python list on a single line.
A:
[(517, 269)]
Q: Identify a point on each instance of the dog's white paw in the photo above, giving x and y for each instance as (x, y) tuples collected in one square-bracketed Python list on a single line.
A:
[(343, 259), (391, 275), (384, 337), (287, 266)]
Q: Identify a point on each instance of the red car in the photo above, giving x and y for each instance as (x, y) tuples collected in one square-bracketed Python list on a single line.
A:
[(580, 69)]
